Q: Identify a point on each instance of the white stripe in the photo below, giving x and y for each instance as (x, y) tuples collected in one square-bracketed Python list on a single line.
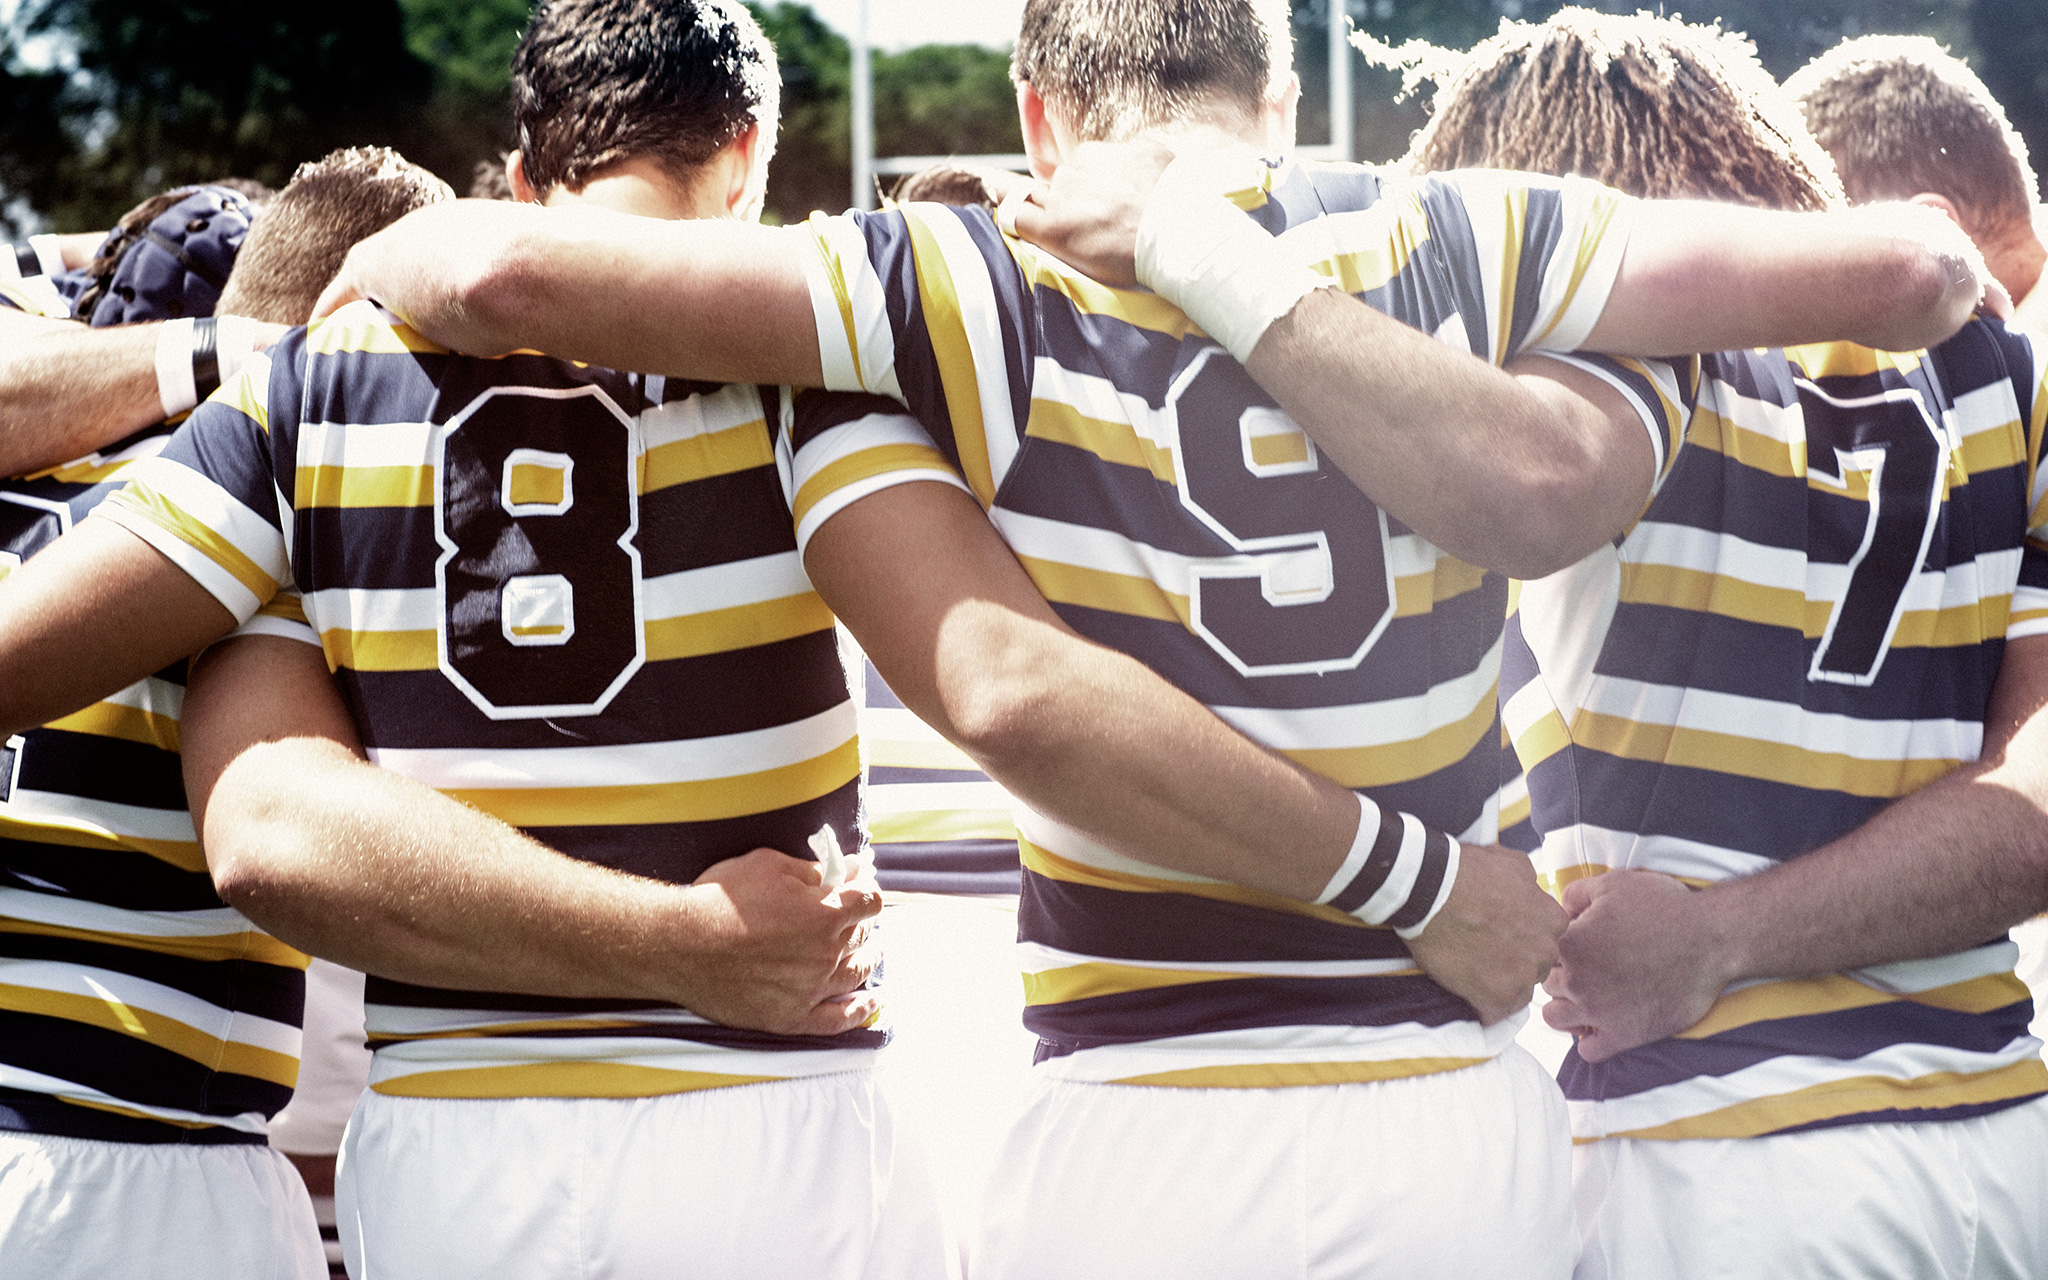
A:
[(1035, 957), (1362, 841), (931, 797), (104, 816), (725, 586), (418, 1057), (411, 1020), (368, 444), (158, 697), (1727, 555), (1581, 199), (75, 913), (841, 240), (1582, 845), (361, 610), (1774, 1077), (281, 628), (1393, 892), (1099, 398), (112, 987), (12, 1077), (1907, 977), (636, 764), (1369, 724), (1767, 720), (899, 724), (703, 414), (1258, 1046), (219, 511), (845, 496)]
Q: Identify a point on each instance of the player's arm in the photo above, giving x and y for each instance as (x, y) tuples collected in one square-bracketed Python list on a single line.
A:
[(378, 872), (67, 389), (92, 613), (1941, 870), (713, 299), (1097, 741)]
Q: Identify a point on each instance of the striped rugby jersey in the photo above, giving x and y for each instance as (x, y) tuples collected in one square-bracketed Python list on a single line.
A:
[(568, 597), (1804, 625), (1167, 508), (134, 1005)]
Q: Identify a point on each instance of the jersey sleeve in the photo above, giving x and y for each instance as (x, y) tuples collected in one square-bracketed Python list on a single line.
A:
[(2029, 614), (1534, 257), (282, 616), (835, 449), (211, 501), (1663, 394), (926, 304)]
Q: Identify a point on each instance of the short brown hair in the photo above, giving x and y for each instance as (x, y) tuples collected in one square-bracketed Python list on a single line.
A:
[(595, 82), (1901, 116), (1110, 68), (1652, 106), (296, 247), (949, 182)]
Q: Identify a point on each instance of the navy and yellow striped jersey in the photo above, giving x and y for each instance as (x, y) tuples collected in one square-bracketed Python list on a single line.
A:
[(1804, 625), (1169, 509), (568, 597), (135, 1006)]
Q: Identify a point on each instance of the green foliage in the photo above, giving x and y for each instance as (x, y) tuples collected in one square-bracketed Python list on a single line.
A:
[(34, 144), (184, 92), (469, 45), (812, 168), (2012, 41)]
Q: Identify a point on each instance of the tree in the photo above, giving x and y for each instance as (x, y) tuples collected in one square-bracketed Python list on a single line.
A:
[(469, 45), (2013, 60), (34, 144)]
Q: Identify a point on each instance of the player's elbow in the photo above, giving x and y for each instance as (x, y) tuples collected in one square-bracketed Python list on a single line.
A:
[(250, 832), (996, 705), (1921, 294)]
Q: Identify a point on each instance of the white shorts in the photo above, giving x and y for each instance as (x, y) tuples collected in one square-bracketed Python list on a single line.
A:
[(794, 1178), (82, 1209), (1943, 1200), (2032, 937), (334, 1064), (1459, 1174)]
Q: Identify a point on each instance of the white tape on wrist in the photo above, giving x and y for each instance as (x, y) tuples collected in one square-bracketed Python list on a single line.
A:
[(1203, 254), (832, 863), (236, 338), (175, 387), (49, 251), (1398, 872)]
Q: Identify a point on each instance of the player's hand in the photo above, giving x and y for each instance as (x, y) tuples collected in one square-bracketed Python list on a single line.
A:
[(1087, 216), (1496, 937), (1638, 963), (774, 951)]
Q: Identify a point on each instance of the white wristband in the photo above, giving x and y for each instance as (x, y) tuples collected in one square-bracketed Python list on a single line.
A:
[(236, 338), (49, 251), (1443, 895), (175, 387), (1203, 254), (1398, 872)]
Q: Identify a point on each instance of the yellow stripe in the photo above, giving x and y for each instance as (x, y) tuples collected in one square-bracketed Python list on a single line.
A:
[(941, 824), (169, 516), (337, 486), (130, 724), (381, 650), (1100, 589), (134, 1113), (1367, 269), (954, 355), (1805, 997), (1992, 449), (837, 275), (1847, 360), (1510, 263), (1101, 978), (1117, 442), (1418, 593), (1140, 310), (1589, 242), (559, 1080), (707, 800), (1285, 1075), (1053, 866), (1394, 762), (1515, 812), (259, 948), (1542, 740), (161, 1031), (740, 627), (1753, 758), (182, 854), (856, 467), (700, 457), (1702, 591), (343, 332), (248, 395), (935, 753), (289, 605), (1850, 1097), (91, 471)]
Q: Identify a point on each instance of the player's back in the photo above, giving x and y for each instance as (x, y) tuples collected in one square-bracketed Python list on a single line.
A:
[(570, 598), (1804, 625), (1168, 508)]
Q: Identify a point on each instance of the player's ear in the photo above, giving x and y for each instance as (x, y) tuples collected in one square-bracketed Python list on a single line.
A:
[(1041, 140), (515, 177), (1277, 114), (1935, 200), (742, 184)]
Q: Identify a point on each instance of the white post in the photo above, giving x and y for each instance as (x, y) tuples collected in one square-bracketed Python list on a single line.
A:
[(1340, 80), (863, 123)]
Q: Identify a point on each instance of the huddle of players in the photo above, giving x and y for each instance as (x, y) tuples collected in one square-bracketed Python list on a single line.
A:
[(547, 747)]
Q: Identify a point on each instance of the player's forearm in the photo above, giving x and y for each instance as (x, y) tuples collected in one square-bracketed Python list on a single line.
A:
[(1517, 474), (716, 300), (67, 390), (1710, 277), (345, 861)]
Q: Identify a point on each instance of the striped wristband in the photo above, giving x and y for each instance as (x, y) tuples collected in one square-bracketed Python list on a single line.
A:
[(1398, 873)]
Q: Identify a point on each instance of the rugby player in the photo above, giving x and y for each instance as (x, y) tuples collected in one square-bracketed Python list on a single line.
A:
[(152, 1029), (1782, 741)]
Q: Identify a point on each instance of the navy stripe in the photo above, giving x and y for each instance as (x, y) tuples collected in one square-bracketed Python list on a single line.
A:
[(131, 1068), (1542, 228), (921, 880), (717, 520), (96, 767), (1772, 819), (1912, 1115), (1012, 301), (739, 691), (879, 694), (1239, 1004), (949, 866), (679, 852), (1379, 864), (892, 775), (1844, 1035), (124, 878), (366, 548), (726, 1037), (816, 412), (1072, 485), (276, 992), (1168, 927), (1448, 279), (23, 1112), (1143, 361)]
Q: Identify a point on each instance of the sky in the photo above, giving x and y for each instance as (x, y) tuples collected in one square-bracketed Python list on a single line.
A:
[(900, 24)]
